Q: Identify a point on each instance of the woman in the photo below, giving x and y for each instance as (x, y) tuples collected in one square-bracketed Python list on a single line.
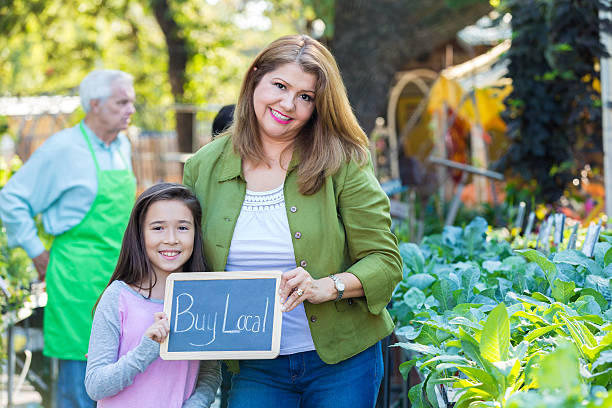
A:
[(290, 186)]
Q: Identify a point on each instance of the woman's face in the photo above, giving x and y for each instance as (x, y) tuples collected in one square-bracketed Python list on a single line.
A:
[(284, 101)]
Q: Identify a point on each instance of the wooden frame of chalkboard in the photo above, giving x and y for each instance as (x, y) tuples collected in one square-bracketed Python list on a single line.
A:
[(222, 316)]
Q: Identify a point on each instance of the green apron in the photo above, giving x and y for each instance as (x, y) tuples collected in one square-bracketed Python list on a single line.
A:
[(82, 261)]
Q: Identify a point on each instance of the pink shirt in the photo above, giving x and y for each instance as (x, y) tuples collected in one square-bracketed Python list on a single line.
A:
[(123, 314)]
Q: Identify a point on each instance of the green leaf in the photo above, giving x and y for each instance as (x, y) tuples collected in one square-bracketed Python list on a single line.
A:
[(583, 342), (506, 367), (459, 296), (405, 368), (514, 261), (601, 285), (569, 273), (589, 338), (407, 333), (521, 350), (600, 251), (504, 286), (443, 292), (471, 351), (549, 268), (428, 335), (416, 397), (531, 367), (455, 359), (420, 280), (419, 348), (412, 257), (601, 301), (495, 336), (488, 383), (605, 357), (586, 305), (491, 266), (542, 297), (607, 271), (563, 291), (525, 299), (534, 334), (605, 237), (469, 278), (467, 398), (533, 318), (430, 389), (464, 308), (577, 258), (561, 361), (549, 312), (474, 235), (414, 298), (462, 321)]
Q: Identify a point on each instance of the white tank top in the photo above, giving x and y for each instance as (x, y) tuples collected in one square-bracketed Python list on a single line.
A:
[(262, 241)]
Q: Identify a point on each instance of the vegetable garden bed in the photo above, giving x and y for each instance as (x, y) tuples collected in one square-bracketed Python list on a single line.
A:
[(489, 326)]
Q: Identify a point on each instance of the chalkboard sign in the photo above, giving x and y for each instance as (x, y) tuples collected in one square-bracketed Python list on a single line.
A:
[(222, 315)]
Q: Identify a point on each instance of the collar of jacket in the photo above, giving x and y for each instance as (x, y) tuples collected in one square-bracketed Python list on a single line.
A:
[(231, 163)]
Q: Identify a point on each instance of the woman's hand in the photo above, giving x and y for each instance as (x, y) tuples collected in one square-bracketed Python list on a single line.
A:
[(159, 330), (297, 286)]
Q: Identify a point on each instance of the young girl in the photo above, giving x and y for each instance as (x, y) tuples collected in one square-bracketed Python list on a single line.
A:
[(123, 365)]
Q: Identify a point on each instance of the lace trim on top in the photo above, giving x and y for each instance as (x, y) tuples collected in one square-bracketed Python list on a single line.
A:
[(264, 200)]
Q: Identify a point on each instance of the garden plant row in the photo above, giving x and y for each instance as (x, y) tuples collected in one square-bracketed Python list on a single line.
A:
[(16, 269), (489, 326)]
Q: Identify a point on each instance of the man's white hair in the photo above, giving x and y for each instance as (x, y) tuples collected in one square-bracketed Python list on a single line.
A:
[(98, 85)]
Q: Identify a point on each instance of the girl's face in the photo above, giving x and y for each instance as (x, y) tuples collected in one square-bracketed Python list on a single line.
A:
[(284, 101), (168, 235)]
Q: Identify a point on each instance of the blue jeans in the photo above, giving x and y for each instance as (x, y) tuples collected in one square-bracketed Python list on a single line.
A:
[(303, 380), (71, 385)]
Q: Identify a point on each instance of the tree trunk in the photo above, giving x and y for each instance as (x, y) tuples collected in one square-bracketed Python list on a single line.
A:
[(178, 55), (373, 39)]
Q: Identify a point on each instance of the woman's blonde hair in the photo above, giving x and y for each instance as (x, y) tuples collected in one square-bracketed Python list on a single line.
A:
[(332, 135)]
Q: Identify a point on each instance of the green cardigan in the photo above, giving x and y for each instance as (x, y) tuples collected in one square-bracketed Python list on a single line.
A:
[(345, 227)]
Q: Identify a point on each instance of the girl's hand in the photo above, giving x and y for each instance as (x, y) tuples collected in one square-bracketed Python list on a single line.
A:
[(159, 330), (297, 286)]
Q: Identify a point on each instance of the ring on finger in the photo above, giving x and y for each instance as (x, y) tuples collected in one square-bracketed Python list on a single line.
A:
[(300, 292)]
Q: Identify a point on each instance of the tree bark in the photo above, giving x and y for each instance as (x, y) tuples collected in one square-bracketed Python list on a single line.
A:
[(373, 39), (178, 55)]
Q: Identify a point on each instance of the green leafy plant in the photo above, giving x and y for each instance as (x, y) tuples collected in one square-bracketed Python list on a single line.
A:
[(479, 319), (16, 269)]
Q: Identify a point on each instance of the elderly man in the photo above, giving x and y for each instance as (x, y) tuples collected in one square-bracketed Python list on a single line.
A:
[(82, 183)]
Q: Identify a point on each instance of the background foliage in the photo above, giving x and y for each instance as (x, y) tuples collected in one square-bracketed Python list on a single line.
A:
[(203, 46), (554, 111), (47, 46)]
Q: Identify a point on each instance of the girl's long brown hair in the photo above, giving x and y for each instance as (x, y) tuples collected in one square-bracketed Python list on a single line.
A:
[(134, 266), (332, 135)]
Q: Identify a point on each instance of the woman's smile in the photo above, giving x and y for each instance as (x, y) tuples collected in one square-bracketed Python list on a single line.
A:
[(279, 117)]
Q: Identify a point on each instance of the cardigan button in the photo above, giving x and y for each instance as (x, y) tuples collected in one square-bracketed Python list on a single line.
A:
[(303, 264), (313, 318), (293, 209), (298, 235)]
